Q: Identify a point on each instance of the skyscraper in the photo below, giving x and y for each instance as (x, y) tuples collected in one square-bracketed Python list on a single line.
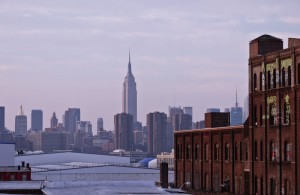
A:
[(53, 121), (188, 110), (72, 115), (157, 133), (37, 120), (21, 123), (236, 114), (129, 94), (2, 118), (124, 131), (100, 124)]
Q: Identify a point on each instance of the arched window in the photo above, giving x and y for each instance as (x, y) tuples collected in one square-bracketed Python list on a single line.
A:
[(283, 77), (241, 151), (272, 113), (216, 152), (274, 78), (246, 152), (235, 151), (255, 115), (286, 113), (261, 186), (255, 184), (261, 151), (187, 154), (254, 82), (260, 81), (255, 151), (299, 73), (197, 151), (272, 151), (260, 115), (269, 79), (205, 155), (289, 76), (272, 186), (227, 151), (287, 151)]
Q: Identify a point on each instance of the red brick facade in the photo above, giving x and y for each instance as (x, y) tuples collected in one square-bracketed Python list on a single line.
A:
[(261, 156)]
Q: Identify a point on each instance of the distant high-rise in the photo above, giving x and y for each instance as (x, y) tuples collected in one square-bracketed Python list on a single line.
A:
[(37, 120), (188, 110), (236, 114), (129, 94), (53, 121), (21, 123), (85, 127), (100, 124), (208, 110), (124, 131), (2, 118), (157, 133), (182, 122), (72, 115), (173, 111)]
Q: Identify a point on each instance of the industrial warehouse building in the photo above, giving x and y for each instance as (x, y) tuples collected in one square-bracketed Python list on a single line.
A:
[(259, 157)]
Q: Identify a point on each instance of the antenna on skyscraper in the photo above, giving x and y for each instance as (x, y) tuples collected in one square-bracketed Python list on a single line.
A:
[(236, 102)]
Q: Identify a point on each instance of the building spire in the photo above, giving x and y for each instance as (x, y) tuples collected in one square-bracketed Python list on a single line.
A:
[(129, 65), (236, 102)]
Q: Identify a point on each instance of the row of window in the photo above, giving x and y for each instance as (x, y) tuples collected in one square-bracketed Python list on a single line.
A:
[(216, 152), (273, 153), (273, 116), (259, 186), (273, 77)]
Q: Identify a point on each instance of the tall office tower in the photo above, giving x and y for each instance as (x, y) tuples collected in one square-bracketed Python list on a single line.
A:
[(53, 121), (157, 133), (100, 124), (208, 110), (21, 123), (182, 122), (189, 111), (236, 114), (72, 115), (2, 118), (37, 120), (129, 94), (124, 131), (173, 111), (85, 127)]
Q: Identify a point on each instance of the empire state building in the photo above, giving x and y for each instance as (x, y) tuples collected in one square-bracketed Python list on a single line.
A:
[(129, 94)]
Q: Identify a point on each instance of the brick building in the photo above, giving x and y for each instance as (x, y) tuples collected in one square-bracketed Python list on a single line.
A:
[(259, 157)]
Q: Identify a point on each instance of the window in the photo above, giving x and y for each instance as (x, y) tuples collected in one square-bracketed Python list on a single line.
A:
[(261, 186), (216, 152), (269, 79), (272, 151), (255, 115), (187, 154), (274, 78), (227, 151), (255, 184), (205, 155), (287, 151), (196, 151), (286, 113), (246, 151), (235, 151), (272, 114), (272, 186), (260, 116), (283, 77), (178, 151), (287, 186), (299, 73), (289, 76), (241, 151), (255, 151), (261, 151), (254, 82), (260, 81)]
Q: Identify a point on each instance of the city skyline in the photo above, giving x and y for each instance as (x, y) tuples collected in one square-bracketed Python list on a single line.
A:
[(57, 55)]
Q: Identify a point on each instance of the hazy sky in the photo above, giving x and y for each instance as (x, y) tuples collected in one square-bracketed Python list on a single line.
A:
[(56, 54)]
